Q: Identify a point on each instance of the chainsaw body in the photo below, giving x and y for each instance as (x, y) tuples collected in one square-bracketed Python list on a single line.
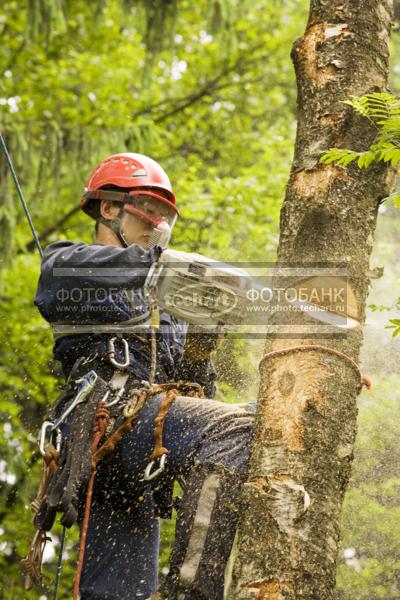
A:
[(200, 290)]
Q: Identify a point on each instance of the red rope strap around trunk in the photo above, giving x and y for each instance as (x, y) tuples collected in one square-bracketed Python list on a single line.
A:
[(364, 380)]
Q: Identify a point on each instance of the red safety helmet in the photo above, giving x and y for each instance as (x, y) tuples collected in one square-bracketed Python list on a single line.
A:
[(144, 178)]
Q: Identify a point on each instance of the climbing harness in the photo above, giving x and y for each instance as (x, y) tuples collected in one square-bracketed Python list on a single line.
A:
[(113, 407)]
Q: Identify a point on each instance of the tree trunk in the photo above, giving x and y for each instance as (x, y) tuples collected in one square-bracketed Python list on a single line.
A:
[(306, 424)]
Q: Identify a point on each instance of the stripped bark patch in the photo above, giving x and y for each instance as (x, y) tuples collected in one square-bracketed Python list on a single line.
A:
[(308, 51), (269, 590), (287, 404), (289, 504), (336, 30), (308, 184), (384, 14), (334, 121)]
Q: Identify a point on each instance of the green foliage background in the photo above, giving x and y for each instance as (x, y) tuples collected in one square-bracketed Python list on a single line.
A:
[(208, 91)]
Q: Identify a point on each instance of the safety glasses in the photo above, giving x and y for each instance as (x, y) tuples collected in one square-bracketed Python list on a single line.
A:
[(151, 207)]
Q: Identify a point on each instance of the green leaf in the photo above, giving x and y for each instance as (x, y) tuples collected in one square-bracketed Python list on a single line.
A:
[(395, 326)]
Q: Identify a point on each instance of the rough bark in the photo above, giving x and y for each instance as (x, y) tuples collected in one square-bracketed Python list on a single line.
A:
[(306, 423)]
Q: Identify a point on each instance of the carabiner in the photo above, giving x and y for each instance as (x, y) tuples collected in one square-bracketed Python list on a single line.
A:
[(111, 353), (48, 425), (148, 475), (85, 385), (117, 398)]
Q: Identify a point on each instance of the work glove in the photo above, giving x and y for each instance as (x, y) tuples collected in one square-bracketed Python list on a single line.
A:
[(201, 343)]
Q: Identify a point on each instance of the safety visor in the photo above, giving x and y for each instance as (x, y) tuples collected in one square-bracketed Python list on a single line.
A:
[(148, 205), (151, 207)]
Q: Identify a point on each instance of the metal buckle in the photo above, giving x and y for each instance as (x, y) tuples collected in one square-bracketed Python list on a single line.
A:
[(111, 353), (148, 475), (85, 385), (117, 398), (152, 278)]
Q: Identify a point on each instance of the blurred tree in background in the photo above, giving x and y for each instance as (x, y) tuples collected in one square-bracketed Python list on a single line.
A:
[(208, 91)]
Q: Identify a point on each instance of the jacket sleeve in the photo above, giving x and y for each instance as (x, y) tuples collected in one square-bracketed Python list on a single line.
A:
[(92, 282)]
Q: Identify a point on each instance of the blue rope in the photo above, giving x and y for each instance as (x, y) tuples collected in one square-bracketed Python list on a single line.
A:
[(59, 564), (20, 194)]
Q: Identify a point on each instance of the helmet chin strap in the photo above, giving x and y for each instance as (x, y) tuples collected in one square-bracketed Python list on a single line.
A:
[(115, 226), (160, 235)]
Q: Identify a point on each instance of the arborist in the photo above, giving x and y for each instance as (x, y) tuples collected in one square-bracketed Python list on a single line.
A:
[(151, 376)]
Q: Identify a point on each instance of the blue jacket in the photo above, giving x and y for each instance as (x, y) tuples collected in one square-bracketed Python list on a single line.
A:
[(100, 285)]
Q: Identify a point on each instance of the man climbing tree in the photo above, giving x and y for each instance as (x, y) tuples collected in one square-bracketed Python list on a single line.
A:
[(142, 385), (301, 460)]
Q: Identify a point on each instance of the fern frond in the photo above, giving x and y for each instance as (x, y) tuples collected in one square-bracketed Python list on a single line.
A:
[(376, 106), (382, 109), (395, 324), (340, 156)]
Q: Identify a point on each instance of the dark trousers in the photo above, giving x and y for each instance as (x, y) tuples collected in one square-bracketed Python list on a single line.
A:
[(209, 444)]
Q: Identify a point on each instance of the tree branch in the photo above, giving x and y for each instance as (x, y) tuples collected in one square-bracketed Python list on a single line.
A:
[(13, 58), (182, 103)]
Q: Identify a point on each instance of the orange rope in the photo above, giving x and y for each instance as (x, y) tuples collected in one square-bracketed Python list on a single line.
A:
[(111, 442), (159, 449), (172, 390), (49, 467)]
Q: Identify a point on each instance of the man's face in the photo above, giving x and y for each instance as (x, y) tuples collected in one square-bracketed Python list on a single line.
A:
[(139, 217), (136, 230)]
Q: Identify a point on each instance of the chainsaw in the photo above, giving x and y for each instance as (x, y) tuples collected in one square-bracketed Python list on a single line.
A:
[(210, 294)]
